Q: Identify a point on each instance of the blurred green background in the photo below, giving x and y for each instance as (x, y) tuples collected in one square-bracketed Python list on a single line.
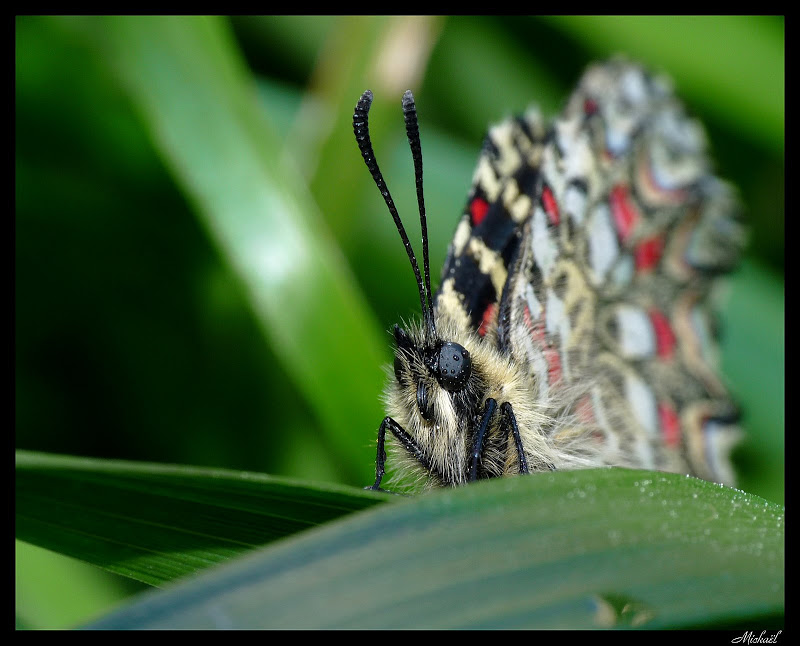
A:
[(205, 273)]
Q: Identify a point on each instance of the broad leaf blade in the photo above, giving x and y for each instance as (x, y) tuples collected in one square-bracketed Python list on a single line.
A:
[(596, 548), (156, 523)]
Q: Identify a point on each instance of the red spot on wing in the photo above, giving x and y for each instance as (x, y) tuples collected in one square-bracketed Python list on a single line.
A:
[(488, 315), (584, 409), (478, 209), (550, 205), (623, 211), (535, 328), (551, 355), (665, 337), (553, 359), (670, 424), (648, 253), (526, 317)]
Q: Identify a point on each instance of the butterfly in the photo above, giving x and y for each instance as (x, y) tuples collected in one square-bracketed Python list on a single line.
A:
[(573, 325)]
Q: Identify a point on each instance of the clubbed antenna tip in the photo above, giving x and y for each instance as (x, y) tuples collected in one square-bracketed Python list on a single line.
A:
[(412, 131), (361, 131)]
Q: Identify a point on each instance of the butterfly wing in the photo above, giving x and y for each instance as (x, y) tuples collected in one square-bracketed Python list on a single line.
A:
[(612, 297), (590, 252), (489, 233)]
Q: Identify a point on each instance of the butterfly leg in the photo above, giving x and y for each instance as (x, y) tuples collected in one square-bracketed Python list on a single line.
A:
[(480, 437), (511, 420), (408, 444)]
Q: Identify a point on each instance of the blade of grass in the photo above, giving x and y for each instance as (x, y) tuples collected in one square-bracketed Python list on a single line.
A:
[(595, 548), (155, 523), (387, 56), (53, 591), (193, 91)]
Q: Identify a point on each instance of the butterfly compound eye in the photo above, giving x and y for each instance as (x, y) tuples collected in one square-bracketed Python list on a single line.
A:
[(454, 367)]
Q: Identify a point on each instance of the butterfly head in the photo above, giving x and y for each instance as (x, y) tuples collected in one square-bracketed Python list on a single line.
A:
[(430, 370)]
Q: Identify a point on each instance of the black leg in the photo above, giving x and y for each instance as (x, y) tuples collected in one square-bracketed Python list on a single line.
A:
[(408, 444), (480, 437), (380, 459), (511, 419)]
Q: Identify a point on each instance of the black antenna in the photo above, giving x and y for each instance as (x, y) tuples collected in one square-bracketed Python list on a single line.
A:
[(361, 131), (412, 130)]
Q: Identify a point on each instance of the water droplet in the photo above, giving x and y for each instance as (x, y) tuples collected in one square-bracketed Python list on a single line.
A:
[(619, 610)]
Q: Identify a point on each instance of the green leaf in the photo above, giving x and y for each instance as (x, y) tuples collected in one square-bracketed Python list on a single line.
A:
[(156, 523), (54, 591), (595, 548)]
